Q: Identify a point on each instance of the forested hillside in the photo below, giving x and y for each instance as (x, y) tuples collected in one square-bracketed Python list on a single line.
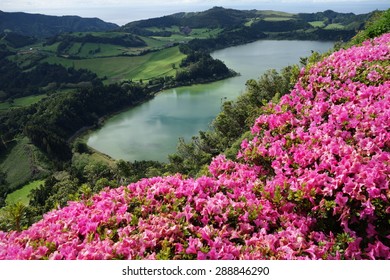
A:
[(42, 26), (234, 27), (68, 102), (310, 181)]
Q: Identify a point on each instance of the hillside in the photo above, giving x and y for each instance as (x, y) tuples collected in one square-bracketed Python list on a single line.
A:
[(216, 17), (313, 183), (247, 25), (90, 46), (43, 26), (219, 17)]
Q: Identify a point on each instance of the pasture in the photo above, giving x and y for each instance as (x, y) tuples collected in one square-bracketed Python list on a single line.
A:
[(21, 102), (22, 195), (118, 68)]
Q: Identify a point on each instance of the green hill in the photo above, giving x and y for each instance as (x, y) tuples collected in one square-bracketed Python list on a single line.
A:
[(42, 26), (328, 25)]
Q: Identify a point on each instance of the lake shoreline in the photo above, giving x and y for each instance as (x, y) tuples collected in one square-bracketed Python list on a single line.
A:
[(190, 109), (82, 132)]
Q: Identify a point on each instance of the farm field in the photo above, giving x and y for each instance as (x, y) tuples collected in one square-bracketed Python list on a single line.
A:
[(115, 69), (334, 26), (317, 23)]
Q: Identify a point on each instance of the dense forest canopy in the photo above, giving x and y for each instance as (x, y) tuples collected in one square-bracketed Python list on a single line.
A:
[(42, 26)]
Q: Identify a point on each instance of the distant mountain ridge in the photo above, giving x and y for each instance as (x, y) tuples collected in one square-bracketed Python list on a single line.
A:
[(234, 27), (41, 26), (212, 18), (219, 17)]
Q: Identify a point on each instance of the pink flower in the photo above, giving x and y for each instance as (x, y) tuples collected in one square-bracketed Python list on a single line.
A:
[(378, 250), (318, 161), (374, 76)]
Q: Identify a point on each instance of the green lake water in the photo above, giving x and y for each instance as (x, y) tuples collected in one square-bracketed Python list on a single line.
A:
[(151, 130)]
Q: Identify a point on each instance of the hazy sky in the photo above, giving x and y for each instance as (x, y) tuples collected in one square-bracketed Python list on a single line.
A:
[(50, 4), (123, 11)]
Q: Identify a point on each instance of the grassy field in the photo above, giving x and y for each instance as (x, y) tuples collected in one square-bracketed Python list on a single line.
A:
[(111, 63), (154, 43), (155, 64), (317, 23), (271, 13), (22, 194), (21, 102), (158, 64), (74, 50), (177, 36), (4, 106), (196, 33), (17, 164), (22, 163), (277, 18), (270, 16), (334, 26), (97, 50), (51, 48), (202, 33)]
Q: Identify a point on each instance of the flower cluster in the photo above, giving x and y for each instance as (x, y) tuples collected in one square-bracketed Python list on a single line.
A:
[(313, 183), (327, 145)]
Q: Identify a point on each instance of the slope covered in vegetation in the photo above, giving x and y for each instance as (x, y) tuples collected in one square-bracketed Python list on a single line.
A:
[(313, 183), (42, 26)]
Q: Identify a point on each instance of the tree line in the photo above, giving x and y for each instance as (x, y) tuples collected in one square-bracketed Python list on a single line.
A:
[(66, 41), (17, 82)]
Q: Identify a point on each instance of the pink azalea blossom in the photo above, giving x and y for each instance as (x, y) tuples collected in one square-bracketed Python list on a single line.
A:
[(313, 183)]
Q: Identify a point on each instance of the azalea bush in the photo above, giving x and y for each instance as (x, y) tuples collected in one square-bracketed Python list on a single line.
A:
[(313, 183)]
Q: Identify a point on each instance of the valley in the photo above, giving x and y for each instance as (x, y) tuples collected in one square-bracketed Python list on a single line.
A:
[(116, 55), (171, 70), (151, 130)]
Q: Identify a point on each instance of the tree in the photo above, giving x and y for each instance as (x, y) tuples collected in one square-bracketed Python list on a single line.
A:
[(96, 170), (13, 216), (3, 188)]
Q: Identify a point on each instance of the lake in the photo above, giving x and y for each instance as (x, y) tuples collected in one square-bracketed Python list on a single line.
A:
[(151, 130)]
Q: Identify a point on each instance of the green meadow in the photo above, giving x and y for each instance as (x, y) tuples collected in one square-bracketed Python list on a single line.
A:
[(334, 26), (22, 195), (118, 68), (95, 50), (277, 18), (317, 23), (21, 102), (16, 165), (270, 13), (177, 36)]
